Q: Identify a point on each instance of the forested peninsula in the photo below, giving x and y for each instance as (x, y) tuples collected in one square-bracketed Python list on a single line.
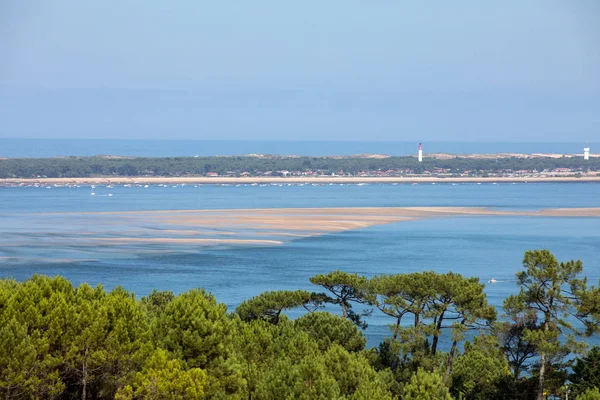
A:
[(293, 166), (58, 341)]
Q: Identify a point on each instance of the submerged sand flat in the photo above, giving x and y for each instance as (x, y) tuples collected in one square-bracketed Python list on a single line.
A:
[(317, 221), (88, 235), (210, 225), (126, 240)]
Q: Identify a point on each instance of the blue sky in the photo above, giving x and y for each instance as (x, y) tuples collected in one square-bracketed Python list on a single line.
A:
[(333, 70)]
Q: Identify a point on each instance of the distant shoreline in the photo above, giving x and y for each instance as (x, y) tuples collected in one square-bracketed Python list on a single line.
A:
[(275, 169), (285, 180), (380, 156)]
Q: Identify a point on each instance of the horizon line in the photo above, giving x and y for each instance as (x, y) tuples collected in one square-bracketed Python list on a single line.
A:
[(302, 140)]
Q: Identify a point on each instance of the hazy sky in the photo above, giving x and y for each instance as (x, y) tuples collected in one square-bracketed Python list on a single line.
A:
[(510, 70)]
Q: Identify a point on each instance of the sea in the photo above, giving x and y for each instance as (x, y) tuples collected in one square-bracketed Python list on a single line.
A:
[(485, 247), (39, 148)]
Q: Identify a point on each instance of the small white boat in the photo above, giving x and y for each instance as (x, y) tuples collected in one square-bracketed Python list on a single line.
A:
[(492, 281)]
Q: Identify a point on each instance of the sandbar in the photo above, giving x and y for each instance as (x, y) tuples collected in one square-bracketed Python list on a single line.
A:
[(146, 240), (187, 230)]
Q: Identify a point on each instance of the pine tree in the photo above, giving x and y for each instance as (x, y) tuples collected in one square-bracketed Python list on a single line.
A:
[(553, 291)]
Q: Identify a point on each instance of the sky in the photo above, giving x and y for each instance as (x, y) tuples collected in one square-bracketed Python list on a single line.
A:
[(464, 70)]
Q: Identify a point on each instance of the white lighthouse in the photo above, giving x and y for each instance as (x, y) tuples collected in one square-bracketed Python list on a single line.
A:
[(420, 152), (586, 153)]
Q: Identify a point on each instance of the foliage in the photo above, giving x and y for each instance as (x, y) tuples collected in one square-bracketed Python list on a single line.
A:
[(329, 329), (479, 373), (260, 345), (426, 386), (512, 338), (195, 328), (165, 378), (436, 304), (552, 291), (588, 308), (156, 302), (589, 394), (71, 167), (70, 340), (60, 342), (333, 374), (346, 288), (586, 372), (401, 295), (269, 305)]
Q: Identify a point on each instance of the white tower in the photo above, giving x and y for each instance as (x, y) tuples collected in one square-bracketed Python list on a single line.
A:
[(420, 152), (586, 153)]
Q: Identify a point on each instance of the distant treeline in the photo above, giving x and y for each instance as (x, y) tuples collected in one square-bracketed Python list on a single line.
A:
[(76, 167), (58, 341)]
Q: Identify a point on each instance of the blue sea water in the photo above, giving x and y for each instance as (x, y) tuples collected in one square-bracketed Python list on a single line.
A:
[(38, 148), (484, 246)]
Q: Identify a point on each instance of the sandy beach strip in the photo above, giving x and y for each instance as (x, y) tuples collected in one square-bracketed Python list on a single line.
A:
[(146, 240), (293, 180), (569, 212)]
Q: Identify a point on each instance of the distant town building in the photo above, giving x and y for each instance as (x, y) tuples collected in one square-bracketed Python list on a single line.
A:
[(586, 153), (420, 152)]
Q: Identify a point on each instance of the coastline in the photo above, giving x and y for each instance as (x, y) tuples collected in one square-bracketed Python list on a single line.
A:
[(293, 180)]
